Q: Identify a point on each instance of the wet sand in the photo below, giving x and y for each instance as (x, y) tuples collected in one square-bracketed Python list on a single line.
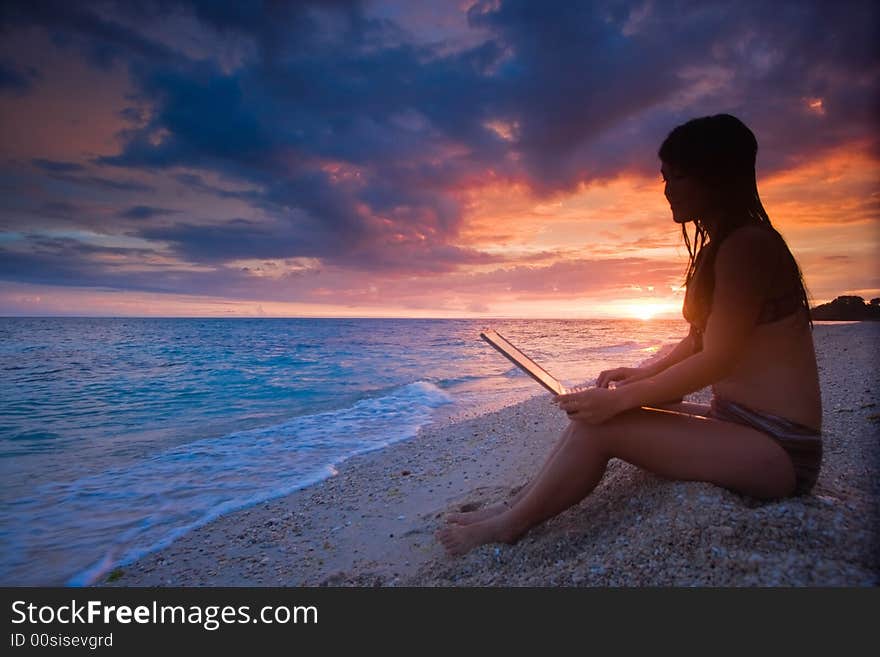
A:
[(373, 523)]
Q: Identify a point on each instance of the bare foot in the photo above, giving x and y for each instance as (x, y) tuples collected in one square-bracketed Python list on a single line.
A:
[(470, 517), (460, 539)]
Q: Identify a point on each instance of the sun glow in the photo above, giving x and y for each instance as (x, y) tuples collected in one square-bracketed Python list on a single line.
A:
[(645, 311)]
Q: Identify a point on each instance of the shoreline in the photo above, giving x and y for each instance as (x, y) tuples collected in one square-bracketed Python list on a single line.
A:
[(372, 524)]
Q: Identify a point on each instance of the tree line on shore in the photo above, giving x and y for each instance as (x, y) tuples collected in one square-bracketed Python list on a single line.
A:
[(847, 309)]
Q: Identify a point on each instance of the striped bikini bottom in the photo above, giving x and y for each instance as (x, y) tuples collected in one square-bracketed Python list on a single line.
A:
[(802, 444)]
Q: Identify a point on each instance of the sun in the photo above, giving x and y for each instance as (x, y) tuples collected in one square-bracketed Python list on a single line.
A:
[(644, 311)]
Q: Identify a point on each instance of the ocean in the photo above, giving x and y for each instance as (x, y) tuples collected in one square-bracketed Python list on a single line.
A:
[(119, 435)]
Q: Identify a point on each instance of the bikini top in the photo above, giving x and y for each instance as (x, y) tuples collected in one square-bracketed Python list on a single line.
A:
[(698, 301)]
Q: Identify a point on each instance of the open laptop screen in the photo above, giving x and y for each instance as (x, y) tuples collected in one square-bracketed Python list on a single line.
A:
[(522, 361)]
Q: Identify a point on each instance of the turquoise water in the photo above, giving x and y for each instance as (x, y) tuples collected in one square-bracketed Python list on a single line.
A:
[(119, 435)]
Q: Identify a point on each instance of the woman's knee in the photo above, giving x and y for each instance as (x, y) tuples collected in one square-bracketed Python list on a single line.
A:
[(577, 428), (597, 434)]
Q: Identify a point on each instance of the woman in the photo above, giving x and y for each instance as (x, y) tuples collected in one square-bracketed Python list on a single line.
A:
[(750, 339)]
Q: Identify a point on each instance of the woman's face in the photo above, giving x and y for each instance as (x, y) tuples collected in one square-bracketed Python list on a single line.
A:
[(686, 195)]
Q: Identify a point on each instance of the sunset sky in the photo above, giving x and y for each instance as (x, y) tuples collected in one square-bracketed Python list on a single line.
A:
[(430, 159)]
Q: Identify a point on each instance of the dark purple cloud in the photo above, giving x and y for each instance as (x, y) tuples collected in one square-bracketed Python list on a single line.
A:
[(15, 81), (239, 239), (57, 167), (140, 212), (70, 262), (101, 183)]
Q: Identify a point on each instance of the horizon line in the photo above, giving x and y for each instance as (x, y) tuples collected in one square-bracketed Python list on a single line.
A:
[(394, 317), (491, 318)]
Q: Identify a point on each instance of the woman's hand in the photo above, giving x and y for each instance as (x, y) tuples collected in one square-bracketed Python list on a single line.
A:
[(621, 375), (593, 405)]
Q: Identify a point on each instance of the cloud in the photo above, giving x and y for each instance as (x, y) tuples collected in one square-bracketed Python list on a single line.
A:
[(145, 212), (337, 134), (196, 182), (13, 81), (587, 91), (103, 183), (65, 261), (242, 238), (72, 263), (57, 167), (102, 41)]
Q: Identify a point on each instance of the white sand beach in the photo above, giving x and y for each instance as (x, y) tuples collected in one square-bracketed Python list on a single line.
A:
[(373, 523)]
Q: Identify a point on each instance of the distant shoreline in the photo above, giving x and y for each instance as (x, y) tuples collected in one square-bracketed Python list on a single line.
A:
[(847, 309)]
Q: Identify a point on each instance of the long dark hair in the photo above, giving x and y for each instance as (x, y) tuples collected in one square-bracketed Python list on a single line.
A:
[(720, 151)]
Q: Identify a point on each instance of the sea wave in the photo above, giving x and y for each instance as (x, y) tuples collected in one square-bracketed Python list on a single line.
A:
[(81, 529)]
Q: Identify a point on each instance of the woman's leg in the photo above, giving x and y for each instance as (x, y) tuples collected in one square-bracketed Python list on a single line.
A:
[(468, 517), (673, 445)]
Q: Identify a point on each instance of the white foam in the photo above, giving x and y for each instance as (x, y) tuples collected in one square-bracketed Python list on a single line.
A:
[(111, 518)]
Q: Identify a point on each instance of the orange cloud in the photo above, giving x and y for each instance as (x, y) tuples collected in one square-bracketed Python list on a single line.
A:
[(839, 188)]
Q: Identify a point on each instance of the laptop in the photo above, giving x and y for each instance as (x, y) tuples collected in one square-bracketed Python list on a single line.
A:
[(523, 362)]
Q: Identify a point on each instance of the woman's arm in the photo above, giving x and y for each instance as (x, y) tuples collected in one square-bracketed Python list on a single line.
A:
[(741, 270), (682, 350), (624, 376)]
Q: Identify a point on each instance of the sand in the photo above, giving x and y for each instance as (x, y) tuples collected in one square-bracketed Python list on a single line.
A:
[(373, 523)]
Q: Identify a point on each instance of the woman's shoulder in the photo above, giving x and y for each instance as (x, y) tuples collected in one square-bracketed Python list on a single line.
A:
[(754, 244), (753, 234), (749, 262)]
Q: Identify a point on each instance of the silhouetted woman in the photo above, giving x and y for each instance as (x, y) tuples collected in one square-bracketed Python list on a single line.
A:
[(750, 338)]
